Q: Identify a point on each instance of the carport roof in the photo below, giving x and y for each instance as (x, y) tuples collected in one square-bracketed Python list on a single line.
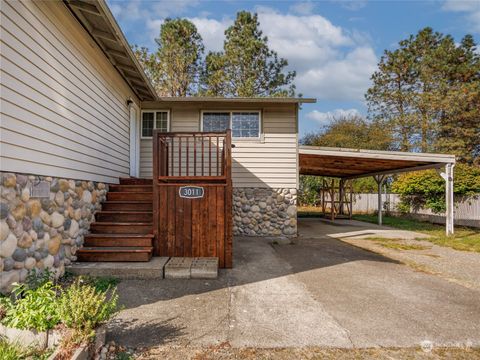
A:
[(355, 163)]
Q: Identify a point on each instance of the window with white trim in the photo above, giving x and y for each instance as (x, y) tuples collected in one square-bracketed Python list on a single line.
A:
[(154, 120), (244, 124)]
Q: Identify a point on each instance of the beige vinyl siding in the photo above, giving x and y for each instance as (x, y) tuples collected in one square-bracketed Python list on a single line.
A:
[(63, 105), (270, 162)]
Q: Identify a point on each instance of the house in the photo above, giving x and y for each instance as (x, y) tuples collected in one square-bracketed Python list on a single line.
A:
[(95, 166), (78, 115)]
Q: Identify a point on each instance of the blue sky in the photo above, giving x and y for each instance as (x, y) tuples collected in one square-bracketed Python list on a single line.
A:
[(333, 45)]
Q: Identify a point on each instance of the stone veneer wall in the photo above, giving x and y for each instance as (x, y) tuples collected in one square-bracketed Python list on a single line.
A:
[(264, 211), (43, 232)]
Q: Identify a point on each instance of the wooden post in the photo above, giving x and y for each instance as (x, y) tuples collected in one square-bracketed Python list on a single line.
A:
[(379, 179), (332, 199), (351, 199), (156, 200), (228, 201), (449, 219)]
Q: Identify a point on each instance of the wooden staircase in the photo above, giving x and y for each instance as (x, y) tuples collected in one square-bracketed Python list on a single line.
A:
[(123, 230)]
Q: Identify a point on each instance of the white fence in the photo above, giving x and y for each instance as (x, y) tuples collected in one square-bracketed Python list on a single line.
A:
[(466, 212)]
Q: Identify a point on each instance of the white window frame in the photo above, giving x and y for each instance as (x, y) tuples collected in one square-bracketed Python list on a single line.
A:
[(154, 120), (259, 112)]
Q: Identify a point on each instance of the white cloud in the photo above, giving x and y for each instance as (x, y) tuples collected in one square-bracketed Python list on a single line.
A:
[(331, 63), (325, 117), (352, 5), (212, 31), (132, 10), (470, 8), (303, 8)]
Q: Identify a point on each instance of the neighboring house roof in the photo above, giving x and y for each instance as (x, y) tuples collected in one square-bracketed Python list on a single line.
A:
[(355, 163), (98, 21), (286, 100)]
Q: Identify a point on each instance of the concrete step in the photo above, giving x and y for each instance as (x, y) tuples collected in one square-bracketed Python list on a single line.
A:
[(151, 270), (136, 253), (124, 216), (121, 228), (117, 240), (156, 268)]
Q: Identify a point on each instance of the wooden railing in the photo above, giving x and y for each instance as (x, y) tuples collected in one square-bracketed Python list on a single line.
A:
[(191, 156), (193, 226)]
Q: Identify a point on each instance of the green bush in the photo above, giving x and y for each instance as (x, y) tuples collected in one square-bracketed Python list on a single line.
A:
[(426, 189), (82, 308), (31, 308)]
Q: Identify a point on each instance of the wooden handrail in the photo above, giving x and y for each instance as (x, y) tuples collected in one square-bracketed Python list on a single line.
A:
[(172, 155)]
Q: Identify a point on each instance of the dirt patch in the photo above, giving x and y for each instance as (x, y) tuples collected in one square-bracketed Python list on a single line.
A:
[(224, 351)]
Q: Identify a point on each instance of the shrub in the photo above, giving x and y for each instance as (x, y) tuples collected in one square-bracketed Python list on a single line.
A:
[(426, 189), (82, 308), (31, 308)]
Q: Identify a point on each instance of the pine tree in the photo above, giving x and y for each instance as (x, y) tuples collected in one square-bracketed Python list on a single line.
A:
[(175, 66), (429, 90), (247, 67)]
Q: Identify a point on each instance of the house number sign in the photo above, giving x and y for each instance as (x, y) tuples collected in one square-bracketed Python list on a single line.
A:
[(191, 192)]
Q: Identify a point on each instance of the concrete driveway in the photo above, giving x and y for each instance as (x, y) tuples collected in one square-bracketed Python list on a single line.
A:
[(317, 292)]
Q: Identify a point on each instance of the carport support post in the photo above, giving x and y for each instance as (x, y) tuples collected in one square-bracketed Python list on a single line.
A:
[(448, 177), (379, 179)]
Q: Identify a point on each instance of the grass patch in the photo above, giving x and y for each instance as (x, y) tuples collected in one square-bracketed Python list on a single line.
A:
[(395, 244), (9, 351), (103, 284), (309, 211), (465, 239)]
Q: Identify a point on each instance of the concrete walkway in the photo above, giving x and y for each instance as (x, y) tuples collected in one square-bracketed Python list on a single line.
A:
[(462, 267), (318, 292)]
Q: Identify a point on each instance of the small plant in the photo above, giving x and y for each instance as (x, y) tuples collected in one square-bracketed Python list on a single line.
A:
[(31, 308), (10, 351), (102, 284), (37, 278), (82, 308)]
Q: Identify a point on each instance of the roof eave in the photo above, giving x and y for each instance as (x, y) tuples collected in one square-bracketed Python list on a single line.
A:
[(123, 60)]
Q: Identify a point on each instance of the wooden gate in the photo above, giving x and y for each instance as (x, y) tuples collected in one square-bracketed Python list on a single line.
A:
[(192, 195)]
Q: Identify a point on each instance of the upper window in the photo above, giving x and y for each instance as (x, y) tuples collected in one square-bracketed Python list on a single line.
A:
[(244, 124), (154, 120)]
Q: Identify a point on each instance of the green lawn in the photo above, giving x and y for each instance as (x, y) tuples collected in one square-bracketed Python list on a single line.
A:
[(467, 239)]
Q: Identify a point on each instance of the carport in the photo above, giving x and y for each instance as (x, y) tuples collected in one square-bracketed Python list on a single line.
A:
[(348, 164)]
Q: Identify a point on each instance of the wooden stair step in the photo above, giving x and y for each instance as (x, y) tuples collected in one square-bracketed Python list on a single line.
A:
[(118, 240), (134, 253), (130, 196), (121, 228), (135, 181), (124, 216), (130, 188), (145, 205)]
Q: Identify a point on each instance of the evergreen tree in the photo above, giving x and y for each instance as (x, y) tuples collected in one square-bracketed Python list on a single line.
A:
[(429, 90), (213, 77), (247, 67), (175, 66)]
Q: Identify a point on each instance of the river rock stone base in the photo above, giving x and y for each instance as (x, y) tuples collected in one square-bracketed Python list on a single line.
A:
[(264, 212), (38, 233)]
